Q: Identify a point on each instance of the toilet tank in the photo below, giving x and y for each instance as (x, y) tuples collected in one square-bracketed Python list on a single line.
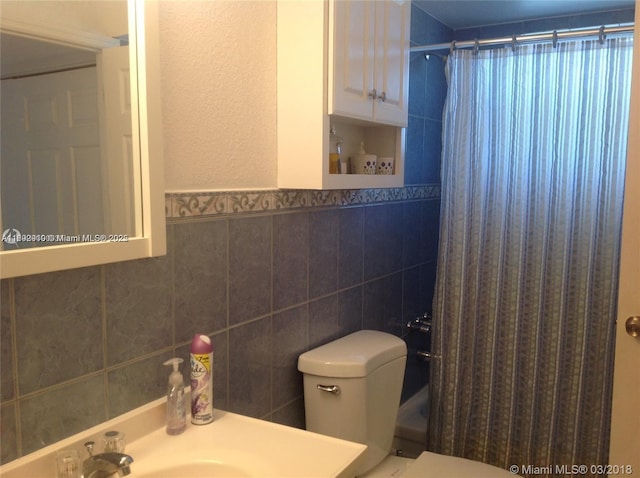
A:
[(352, 390)]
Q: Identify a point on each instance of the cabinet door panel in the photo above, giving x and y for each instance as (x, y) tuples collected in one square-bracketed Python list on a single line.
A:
[(353, 58), (392, 57)]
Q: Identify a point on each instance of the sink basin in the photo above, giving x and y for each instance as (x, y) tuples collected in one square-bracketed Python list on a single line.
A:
[(161, 456), (232, 446), (238, 446), (198, 468)]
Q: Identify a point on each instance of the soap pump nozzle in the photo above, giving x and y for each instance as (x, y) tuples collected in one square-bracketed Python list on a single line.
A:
[(175, 378)]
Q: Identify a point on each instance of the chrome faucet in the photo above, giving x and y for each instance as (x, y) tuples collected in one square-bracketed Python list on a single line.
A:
[(105, 464)]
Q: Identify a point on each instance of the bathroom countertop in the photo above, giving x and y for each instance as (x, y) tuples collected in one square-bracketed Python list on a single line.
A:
[(250, 446)]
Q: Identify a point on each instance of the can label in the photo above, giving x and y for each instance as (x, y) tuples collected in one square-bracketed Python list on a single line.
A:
[(201, 388)]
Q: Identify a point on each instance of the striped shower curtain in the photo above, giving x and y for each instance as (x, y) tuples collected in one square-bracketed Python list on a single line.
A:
[(533, 163)]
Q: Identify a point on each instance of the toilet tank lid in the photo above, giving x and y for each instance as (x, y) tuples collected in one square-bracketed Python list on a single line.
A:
[(355, 355)]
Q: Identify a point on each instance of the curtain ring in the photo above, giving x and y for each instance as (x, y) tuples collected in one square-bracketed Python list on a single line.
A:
[(555, 38), (452, 47), (513, 43), (476, 47), (601, 36)]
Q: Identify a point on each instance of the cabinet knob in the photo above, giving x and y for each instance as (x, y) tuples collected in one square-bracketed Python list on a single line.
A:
[(373, 94), (382, 97)]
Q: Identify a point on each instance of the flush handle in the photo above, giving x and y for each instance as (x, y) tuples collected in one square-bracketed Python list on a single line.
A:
[(329, 388), (632, 326)]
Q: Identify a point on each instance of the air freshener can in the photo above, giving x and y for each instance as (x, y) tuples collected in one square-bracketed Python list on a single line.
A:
[(201, 380)]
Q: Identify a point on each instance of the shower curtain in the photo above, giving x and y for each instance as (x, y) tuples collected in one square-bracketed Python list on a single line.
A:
[(533, 160)]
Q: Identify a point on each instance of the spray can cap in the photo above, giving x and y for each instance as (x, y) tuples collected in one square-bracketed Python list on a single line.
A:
[(201, 344)]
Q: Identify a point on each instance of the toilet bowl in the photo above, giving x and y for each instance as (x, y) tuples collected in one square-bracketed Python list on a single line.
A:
[(352, 390), (432, 465)]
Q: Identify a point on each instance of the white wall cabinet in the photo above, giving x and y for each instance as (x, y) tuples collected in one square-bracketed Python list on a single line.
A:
[(331, 55), (368, 60)]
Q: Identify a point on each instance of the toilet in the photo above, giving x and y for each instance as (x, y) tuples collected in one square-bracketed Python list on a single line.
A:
[(352, 390)]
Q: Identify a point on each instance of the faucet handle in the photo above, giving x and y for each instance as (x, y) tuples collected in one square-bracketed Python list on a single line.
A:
[(68, 464), (89, 446)]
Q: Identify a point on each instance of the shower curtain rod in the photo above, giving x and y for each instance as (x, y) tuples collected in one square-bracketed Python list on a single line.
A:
[(600, 33)]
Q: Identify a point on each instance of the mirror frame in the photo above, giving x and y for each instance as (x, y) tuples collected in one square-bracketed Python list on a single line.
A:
[(146, 107)]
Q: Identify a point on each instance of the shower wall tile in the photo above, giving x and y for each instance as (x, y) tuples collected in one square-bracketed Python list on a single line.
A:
[(291, 415), (249, 268), (323, 257), (411, 293), (612, 17), (373, 299), (323, 320), (349, 311), (394, 315), (58, 311), (139, 310), (425, 29), (411, 227), (427, 286), (586, 20), (419, 25), (394, 237), (135, 384), (436, 90), (417, 84), (350, 244), (290, 332), (414, 152), (383, 240), (54, 415), (290, 259), (375, 242), (250, 365), (220, 343), (432, 150), (6, 343), (430, 230), (200, 278), (8, 433)]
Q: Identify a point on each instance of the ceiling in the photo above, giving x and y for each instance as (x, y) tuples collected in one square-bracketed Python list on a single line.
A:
[(458, 14)]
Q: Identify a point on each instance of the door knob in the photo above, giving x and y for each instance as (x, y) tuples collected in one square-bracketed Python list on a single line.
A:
[(632, 326)]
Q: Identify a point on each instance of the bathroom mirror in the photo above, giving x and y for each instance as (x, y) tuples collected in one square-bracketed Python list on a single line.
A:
[(81, 164)]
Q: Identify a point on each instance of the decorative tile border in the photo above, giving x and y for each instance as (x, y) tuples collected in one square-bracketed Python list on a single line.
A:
[(197, 204)]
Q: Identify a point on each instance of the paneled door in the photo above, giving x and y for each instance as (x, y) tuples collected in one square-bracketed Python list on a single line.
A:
[(123, 195), (625, 422), (52, 179)]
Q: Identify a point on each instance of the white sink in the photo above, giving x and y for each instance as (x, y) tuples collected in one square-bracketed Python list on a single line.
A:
[(232, 446), (198, 468)]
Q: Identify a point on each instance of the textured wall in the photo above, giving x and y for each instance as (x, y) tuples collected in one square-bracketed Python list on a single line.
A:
[(219, 94)]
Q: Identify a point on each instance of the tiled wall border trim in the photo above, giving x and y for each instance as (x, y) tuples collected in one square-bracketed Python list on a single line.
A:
[(218, 203)]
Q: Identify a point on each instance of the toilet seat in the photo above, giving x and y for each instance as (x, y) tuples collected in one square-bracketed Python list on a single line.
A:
[(432, 465)]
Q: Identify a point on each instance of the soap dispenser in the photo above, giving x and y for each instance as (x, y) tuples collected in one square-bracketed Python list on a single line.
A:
[(176, 406)]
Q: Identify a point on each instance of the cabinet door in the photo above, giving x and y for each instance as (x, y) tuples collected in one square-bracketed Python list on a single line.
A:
[(392, 61), (351, 51)]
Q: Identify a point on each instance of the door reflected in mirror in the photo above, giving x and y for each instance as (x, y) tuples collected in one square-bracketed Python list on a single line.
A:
[(66, 165)]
